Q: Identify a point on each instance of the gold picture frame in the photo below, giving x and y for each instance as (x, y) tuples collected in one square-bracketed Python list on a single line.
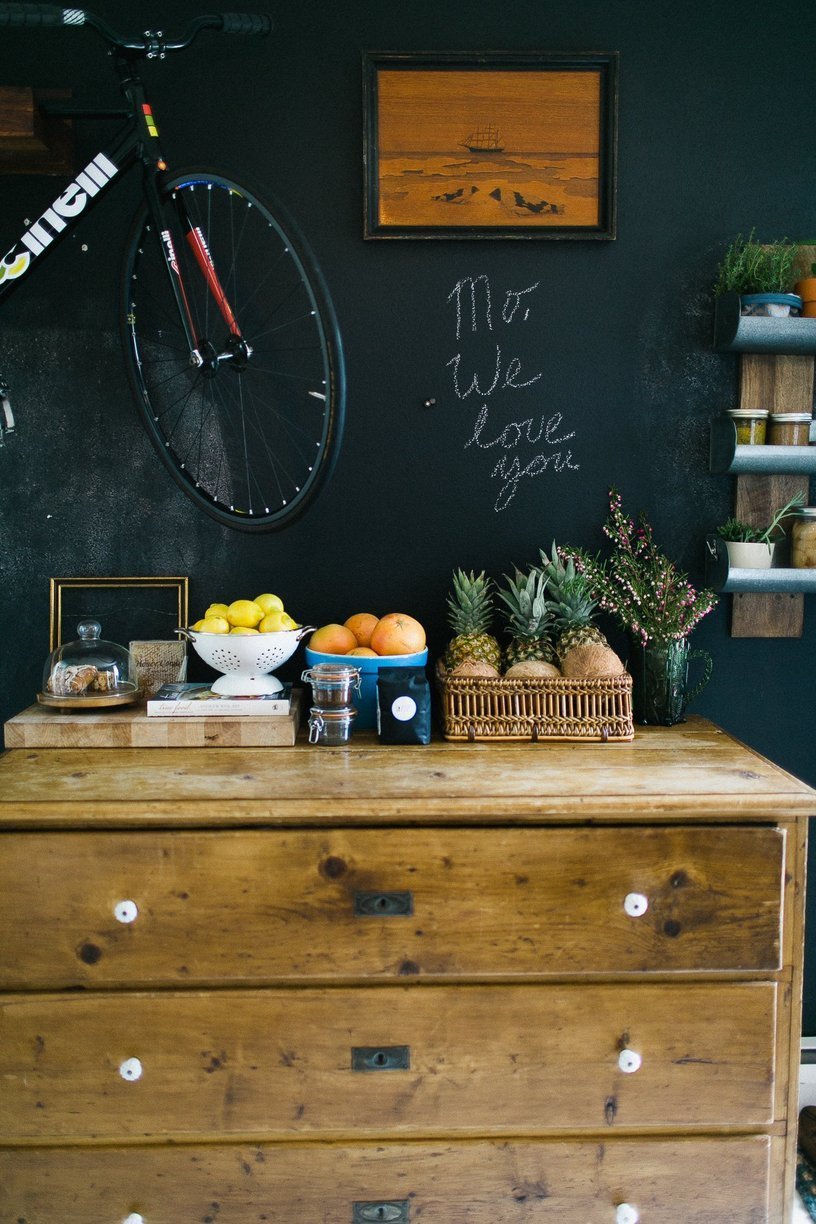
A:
[(490, 145), (155, 607)]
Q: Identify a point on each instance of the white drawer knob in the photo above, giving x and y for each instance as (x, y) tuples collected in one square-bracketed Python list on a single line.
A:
[(126, 911), (635, 904), (629, 1061), (134, 1218), (131, 1069), (626, 1214)]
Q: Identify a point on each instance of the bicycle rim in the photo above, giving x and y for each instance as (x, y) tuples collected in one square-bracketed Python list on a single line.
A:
[(250, 442)]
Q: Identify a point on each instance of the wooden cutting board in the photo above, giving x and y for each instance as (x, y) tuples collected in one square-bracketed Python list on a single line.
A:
[(129, 727)]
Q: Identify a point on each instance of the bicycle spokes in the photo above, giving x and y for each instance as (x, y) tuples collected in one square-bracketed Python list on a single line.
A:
[(250, 427)]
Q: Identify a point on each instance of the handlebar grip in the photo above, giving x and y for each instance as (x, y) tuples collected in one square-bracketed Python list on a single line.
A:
[(245, 23), (34, 15)]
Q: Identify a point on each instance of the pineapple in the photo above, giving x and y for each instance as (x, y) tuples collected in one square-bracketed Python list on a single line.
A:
[(471, 610), (571, 606), (528, 619)]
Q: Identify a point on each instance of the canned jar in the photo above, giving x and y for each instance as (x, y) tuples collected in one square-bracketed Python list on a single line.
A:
[(803, 538), (750, 424), (331, 727), (789, 428), (333, 684)]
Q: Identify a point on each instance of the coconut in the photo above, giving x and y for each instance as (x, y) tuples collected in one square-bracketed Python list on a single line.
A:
[(532, 669), (474, 667), (591, 662)]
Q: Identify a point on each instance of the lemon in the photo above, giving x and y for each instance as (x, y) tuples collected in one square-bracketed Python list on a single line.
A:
[(217, 609), (287, 622), (244, 629), (198, 626), (214, 624), (244, 612), (269, 603), (273, 622)]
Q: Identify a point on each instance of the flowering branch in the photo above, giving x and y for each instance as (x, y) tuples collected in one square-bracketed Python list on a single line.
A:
[(639, 586)]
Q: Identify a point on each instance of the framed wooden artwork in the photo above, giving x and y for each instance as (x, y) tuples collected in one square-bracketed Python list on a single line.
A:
[(498, 145), (126, 608)]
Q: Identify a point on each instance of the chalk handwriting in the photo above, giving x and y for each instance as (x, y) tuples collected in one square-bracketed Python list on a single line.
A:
[(511, 375), (512, 436), (471, 285), (540, 432)]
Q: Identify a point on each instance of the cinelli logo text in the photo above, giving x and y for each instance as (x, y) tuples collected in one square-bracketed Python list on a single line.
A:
[(88, 183)]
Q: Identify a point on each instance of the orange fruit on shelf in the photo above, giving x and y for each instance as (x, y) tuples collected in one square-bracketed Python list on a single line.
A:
[(364, 652), (362, 626), (332, 639), (397, 634)]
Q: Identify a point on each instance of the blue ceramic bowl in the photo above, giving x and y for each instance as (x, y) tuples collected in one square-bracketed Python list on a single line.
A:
[(366, 700)]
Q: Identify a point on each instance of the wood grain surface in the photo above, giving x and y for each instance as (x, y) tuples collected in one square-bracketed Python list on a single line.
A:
[(692, 770), (484, 1060), (711, 1181), (129, 727), (273, 905)]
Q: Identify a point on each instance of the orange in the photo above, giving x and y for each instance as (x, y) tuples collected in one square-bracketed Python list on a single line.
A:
[(363, 652), (397, 634), (332, 639), (362, 625)]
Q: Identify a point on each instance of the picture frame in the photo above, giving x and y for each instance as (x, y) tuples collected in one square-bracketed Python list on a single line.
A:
[(126, 608), (490, 145)]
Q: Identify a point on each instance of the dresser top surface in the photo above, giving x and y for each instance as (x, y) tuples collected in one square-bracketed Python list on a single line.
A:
[(694, 770)]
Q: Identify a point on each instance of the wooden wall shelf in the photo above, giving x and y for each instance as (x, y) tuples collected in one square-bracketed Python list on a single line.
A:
[(32, 142), (737, 333)]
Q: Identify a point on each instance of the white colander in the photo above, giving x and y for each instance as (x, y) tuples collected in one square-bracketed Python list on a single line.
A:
[(246, 659)]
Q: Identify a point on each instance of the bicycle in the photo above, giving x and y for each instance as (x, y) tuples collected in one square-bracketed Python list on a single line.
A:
[(231, 342)]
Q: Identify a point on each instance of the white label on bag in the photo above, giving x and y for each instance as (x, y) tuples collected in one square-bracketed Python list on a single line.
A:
[(404, 708)]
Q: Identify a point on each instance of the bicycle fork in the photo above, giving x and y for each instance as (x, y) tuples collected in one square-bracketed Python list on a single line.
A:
[(204, 355)]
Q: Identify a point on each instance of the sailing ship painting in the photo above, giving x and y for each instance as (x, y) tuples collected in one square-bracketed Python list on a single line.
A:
[(485, 148), (483, 140)]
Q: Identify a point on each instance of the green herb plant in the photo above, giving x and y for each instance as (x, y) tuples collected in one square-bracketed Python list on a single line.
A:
[(749, 266), (736, 530)]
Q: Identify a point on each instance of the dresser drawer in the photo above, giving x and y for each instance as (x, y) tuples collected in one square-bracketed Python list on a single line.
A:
[(386, 1060), (147, 908), (666, 1181)]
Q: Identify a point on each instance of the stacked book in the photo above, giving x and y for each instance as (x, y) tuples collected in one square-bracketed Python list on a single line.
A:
[(199, 701)]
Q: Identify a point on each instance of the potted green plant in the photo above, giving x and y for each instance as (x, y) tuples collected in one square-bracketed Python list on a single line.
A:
[(756, 547), (762, 275)]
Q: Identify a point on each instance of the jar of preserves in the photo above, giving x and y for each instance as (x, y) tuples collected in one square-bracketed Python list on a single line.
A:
[(750, 424), (789, 428), (803, 538)]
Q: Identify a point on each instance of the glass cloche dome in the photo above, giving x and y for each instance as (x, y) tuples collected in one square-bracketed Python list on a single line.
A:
[(89, 671)]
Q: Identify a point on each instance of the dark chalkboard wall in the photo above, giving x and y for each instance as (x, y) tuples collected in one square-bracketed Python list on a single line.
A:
[(717, 123)]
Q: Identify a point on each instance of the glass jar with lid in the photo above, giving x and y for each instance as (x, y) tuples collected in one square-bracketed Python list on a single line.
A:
[(803, 538), (89, 671), (789, 428), (750, 424)]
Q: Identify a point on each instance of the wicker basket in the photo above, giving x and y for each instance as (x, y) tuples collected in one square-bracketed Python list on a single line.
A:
[(478, 708)]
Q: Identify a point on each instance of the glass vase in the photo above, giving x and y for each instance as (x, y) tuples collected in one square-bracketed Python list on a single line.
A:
[(660, 692)]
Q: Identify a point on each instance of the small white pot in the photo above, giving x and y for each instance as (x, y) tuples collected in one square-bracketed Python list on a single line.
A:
[(749, 555)]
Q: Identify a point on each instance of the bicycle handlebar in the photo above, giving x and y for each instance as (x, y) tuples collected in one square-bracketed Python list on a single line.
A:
[(32, 16)]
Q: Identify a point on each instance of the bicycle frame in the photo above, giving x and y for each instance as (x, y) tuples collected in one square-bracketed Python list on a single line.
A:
[(138, 140)]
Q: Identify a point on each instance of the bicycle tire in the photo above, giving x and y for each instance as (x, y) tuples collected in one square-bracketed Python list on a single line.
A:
[(251, 444)]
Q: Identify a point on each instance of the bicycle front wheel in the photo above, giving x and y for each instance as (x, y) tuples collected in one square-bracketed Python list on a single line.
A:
[(249, 435)]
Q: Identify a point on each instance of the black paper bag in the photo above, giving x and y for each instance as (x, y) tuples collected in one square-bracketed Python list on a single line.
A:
[(403, 705)]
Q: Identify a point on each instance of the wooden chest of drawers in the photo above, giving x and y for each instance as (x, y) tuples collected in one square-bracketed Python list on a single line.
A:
[(456, 984)]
